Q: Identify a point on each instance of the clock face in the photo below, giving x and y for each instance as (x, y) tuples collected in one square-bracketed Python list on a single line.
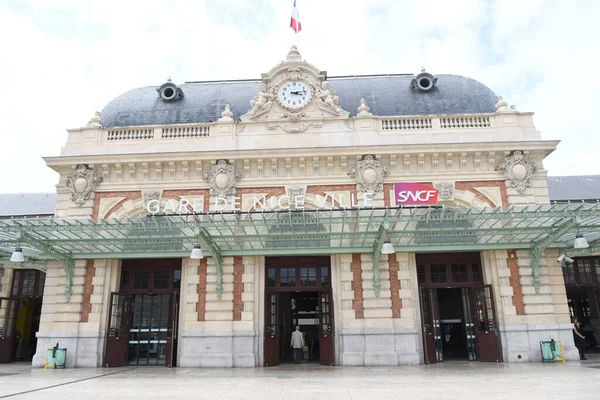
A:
[(294, 94)]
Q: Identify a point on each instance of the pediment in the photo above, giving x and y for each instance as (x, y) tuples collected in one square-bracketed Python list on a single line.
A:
[(294, 90)]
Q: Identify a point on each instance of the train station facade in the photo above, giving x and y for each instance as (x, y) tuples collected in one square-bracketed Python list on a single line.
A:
[(397, 219)]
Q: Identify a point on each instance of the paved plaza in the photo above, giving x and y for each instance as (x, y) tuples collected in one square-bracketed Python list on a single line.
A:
[(573, 380)]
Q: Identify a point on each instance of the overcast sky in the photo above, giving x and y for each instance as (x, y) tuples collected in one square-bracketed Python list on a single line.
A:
[(62, 60)]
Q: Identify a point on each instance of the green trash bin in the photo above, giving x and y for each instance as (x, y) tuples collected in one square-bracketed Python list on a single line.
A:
[(56, 358), (551, 350)]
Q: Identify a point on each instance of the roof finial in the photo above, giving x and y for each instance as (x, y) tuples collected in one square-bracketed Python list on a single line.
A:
[(363, 109), (294, 54), (502, 105), (169, 79), (226, 115), (422, 69)]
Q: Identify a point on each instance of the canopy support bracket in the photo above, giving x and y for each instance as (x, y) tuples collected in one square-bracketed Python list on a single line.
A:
[(215, 253), (383, 232), (537, 250)]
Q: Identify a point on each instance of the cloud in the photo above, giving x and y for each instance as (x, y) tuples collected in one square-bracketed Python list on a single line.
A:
[(64, 59)]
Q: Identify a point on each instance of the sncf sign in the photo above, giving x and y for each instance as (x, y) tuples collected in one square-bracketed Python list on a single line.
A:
[(414, 194)]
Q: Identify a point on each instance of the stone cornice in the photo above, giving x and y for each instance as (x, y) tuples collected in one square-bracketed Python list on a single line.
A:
[(544, 146)]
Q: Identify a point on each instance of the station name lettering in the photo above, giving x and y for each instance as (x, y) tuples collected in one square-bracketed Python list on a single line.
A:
[(284, 202)]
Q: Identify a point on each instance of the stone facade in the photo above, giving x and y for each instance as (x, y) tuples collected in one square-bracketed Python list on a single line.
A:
[(332, 158)]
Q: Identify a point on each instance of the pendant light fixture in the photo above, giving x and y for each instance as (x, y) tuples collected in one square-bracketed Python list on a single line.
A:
[(580, 242), (387, 247), (17, 255), (197, 253)]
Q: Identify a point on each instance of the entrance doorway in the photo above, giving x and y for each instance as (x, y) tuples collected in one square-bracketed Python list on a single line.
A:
[(458, 313), (143, 320), (298, 293), (582, 282), (20, 316)]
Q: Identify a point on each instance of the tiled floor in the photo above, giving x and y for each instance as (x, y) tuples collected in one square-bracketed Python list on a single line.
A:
[(572, 380)]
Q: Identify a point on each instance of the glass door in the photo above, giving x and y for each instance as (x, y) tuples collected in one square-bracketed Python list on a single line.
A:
[(326, 351), (432, 335), (488, 340), (149, 330), (469, 325), (271, 330)]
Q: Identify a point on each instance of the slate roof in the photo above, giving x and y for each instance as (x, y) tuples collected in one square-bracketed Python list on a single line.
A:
[(574, 188), (27, 204), (386, 95)]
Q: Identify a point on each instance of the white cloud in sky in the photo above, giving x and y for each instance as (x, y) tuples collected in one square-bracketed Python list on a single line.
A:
[(62, 60)]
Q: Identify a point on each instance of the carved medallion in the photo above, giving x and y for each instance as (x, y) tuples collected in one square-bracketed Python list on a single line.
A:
[(82, 184), (369, 174), (222, 178), (518, 171)]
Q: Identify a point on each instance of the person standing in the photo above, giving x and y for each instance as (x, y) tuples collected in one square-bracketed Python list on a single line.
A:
[(580, 341), (297, 344)]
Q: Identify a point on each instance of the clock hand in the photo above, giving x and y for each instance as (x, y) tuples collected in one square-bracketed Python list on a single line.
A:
[(298, 92)]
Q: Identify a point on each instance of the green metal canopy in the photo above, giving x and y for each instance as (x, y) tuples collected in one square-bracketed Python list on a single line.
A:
[(302, 232)]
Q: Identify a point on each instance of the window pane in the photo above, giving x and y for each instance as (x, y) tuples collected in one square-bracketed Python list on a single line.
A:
[(584, 268), (161, 280), (16, 282), (477, 277), (568, 270), (271, 277), (125, 280), (141, 280), (438, 273), (287, 277), (177, 279), (308, 277), (459, 273), (28, 283), (421, 276), (596, 262), (41, 281), (324, 276)]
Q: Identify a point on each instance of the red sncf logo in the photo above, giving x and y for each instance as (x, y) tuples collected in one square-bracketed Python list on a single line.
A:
[(407, 193)]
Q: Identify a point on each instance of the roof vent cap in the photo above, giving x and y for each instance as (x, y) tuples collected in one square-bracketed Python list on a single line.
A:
[(423, 82), (169, 91)]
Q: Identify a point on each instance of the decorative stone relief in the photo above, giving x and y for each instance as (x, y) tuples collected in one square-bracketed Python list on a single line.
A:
[(262, 101), (327, 99), (148, 195), (95, 122), (446, 190), (82, 184), (295, 191), (369, 174), (518, 171), (222, 178)]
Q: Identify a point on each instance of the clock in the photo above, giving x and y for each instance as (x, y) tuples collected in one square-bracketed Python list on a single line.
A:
[(294, 94)]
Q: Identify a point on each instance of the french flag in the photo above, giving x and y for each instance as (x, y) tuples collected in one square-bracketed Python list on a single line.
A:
[(295, 22)]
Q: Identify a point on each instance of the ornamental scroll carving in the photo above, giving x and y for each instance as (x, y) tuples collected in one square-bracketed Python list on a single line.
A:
[(518, 171), (82, 184), (369, 175), (223, 178)]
